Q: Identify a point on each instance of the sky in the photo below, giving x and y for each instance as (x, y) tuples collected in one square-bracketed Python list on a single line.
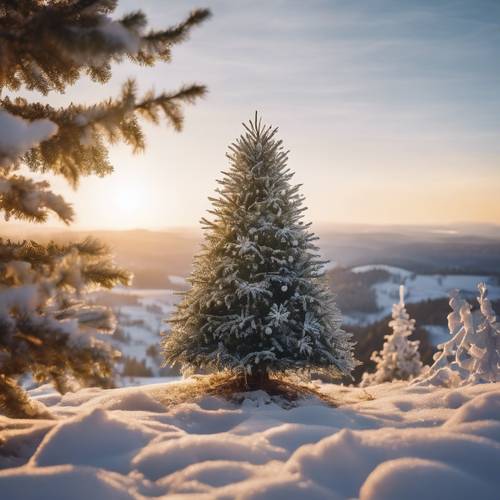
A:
[(390, 109)]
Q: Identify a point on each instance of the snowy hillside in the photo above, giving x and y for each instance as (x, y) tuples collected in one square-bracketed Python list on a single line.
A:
[(419, 287), (387, 442), (141, 315)]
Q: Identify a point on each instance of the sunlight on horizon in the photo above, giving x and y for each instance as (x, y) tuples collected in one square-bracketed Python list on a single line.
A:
[(391, 115)]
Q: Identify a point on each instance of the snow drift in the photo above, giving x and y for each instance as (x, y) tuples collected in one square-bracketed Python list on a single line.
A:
[(391, 441)]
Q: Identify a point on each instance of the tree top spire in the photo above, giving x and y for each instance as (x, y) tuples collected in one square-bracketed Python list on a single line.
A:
[(402, 295)]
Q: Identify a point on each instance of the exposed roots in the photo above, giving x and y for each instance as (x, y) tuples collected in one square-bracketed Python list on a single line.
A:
[(232, 388)]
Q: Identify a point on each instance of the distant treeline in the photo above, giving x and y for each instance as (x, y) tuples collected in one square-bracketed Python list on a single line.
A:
[(353, 291)]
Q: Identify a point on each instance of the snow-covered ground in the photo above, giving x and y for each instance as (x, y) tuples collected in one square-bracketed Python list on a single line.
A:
[(391, 441)]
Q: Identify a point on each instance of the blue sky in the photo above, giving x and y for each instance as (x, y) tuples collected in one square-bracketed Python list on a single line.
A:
[(391, 110)]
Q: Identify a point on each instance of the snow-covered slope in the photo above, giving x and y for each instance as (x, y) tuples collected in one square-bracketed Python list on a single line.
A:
[(419, 287), (391, 442), (141, 320)]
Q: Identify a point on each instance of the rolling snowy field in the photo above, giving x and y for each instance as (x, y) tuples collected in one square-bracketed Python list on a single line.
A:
[(391, 441)]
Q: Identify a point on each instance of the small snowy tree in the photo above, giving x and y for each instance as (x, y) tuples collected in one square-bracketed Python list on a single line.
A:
[(445, 370), (399, 358), (47, 328), (258, 302), (472, 355), (479, 353)]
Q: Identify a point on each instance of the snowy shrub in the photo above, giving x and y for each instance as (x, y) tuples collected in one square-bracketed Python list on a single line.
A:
[(258, 302)]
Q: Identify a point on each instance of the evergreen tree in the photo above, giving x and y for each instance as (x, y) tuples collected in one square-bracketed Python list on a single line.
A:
[(472, 355), (445, 370), (481, 348), (258, 303), (399, 358), (46, 326)]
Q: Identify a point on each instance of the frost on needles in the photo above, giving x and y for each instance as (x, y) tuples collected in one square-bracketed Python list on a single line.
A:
[(472, 355), (399, 358), (258, 303), (48, 327)]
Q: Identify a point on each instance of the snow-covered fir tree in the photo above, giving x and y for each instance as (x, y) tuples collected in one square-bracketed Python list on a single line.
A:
[(482, 343), (399, 358), (258, 303), (445, 370), (47, 328), (472, 355)]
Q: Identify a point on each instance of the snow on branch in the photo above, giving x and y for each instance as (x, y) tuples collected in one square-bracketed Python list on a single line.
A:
[(26, 199), (18, 135), (83, 38), (77, 145)]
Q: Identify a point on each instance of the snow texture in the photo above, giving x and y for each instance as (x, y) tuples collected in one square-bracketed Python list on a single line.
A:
[(18, 135), (390, 441)]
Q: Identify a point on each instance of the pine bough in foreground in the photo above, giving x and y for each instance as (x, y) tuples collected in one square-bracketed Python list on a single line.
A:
[(472, 355), (399, 358), (47, 328), (258, 303)]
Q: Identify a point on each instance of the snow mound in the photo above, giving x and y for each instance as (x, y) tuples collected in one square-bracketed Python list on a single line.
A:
[(343, 461), (482, 407), (62, 482), (389, 441), (409, 478), (94, 438), (134, 401), (161, 459)]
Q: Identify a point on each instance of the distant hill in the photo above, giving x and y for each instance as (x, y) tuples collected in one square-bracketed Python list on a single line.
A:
[(423, 250), (154, 256), (157, 258)]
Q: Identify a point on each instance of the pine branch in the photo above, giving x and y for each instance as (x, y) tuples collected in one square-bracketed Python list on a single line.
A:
[(47, 46), (96, 265), (47, 328), (25, 199), (159, 43), (78, 148)]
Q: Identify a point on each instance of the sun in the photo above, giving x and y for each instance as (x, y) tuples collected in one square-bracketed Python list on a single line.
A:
[(129, 199)]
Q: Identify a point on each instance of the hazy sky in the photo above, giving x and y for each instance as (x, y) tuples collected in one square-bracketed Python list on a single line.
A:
[(391, 110)]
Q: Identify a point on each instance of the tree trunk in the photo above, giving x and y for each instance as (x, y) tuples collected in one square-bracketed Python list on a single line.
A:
[(257, 380)]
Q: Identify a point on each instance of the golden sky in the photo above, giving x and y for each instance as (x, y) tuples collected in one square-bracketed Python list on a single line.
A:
[(391, 111)]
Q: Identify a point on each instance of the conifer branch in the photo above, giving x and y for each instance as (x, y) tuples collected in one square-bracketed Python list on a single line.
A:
[(47, 45), (78, 148)]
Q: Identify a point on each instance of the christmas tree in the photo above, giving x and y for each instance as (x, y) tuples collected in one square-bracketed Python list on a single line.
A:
[(258, 303), (399, 358), (472, 355), (47, 328)]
